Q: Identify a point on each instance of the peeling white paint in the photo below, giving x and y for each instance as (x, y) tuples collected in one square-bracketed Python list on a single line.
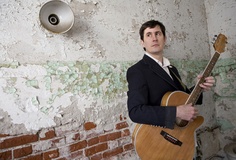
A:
[(29, 71)]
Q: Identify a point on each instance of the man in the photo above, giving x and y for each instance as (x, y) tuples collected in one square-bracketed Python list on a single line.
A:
[(152, 77)]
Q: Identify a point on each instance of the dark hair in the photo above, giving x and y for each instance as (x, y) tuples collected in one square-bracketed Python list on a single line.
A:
[(151, 24)]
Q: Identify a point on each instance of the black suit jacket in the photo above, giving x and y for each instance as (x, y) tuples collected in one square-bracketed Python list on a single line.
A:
[(147, 83)]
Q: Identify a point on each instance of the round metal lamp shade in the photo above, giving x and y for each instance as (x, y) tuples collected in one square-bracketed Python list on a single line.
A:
[(56, 16)]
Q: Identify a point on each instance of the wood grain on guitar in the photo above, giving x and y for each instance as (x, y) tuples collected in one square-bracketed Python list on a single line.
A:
[(157, 143)]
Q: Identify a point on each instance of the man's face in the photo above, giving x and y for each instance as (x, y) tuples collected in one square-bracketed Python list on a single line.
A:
[(153, 40)]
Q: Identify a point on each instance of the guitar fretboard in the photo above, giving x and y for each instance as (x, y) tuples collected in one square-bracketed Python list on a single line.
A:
[(193, 97)]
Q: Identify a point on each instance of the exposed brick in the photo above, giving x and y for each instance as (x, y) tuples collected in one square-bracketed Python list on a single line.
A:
[(3, 135), (49, 135), (76, 136), (125, 133), (17, 141), (21, 152), (121, 117), (113, 152), (96, 149), (89, 126), (103, 138), (93, 141), (96, 157), (90, 151), (110, 136), (78, 146), (34, 157), (128, 147), (5, 155), (51, 154), (113, 136), (122, 125), (101, 147)]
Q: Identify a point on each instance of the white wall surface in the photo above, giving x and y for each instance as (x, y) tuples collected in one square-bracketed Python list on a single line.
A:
[(221, 19), (104, 31)]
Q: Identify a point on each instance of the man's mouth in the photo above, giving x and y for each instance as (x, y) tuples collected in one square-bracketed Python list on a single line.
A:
[(155, 45)]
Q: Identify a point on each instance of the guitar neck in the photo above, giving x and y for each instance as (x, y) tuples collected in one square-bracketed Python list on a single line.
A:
[(195, 94)]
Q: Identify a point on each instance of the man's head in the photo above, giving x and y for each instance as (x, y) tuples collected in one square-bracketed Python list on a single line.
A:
[(151, 24), (153, 37)]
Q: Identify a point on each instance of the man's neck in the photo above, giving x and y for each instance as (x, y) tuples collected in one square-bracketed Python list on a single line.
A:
[(158, 57)]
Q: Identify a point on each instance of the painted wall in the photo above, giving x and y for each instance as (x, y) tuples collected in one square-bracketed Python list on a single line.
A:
[(221, 19), (63, 85)]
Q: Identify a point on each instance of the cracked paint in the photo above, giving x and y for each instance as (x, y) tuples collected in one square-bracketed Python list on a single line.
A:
[(53, 87), (56, 83)]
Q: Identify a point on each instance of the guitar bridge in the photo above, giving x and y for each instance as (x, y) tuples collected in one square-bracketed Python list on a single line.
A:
[(170, 138)]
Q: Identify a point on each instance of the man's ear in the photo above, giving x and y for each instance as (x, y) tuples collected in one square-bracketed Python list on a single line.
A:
[(142, 44)]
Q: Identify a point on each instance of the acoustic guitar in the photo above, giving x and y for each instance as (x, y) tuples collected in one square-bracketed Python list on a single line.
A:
[(158, 143)]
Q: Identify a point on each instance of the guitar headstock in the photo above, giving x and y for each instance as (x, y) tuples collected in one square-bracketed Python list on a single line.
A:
[(220, 43)]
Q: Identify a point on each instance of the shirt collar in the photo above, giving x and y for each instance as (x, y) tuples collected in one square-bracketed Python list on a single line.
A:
[(165, 63)]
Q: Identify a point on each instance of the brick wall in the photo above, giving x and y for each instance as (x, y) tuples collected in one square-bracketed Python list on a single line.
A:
[(86, 142)]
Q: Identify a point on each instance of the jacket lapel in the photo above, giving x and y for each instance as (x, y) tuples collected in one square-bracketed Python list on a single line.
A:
[(158, 70)]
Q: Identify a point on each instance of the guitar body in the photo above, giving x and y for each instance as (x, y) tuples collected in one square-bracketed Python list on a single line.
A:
[(151, 145)]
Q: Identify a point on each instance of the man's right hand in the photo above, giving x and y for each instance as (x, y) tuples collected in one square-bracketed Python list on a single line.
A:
[(186, 112)]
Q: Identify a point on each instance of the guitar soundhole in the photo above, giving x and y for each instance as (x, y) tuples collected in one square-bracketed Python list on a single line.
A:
[(181, 123)]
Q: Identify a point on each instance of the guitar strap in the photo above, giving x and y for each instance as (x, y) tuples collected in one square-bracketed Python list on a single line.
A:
[(178, 80)]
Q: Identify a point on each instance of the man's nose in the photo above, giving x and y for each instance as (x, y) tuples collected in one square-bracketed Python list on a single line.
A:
[(154, 38)]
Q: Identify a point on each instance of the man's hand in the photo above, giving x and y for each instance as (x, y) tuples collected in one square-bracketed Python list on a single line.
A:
[(186, 112), (208, 83)]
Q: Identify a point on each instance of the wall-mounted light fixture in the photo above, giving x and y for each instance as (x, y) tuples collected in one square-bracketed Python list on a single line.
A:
[(56, 16)]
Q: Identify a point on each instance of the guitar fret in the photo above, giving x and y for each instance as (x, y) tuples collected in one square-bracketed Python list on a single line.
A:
[(197, 89)]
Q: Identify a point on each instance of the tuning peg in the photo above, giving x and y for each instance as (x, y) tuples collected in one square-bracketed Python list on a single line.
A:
[(214, 39)]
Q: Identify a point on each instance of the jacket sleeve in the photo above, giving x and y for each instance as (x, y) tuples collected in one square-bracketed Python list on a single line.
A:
[(140, 111)]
